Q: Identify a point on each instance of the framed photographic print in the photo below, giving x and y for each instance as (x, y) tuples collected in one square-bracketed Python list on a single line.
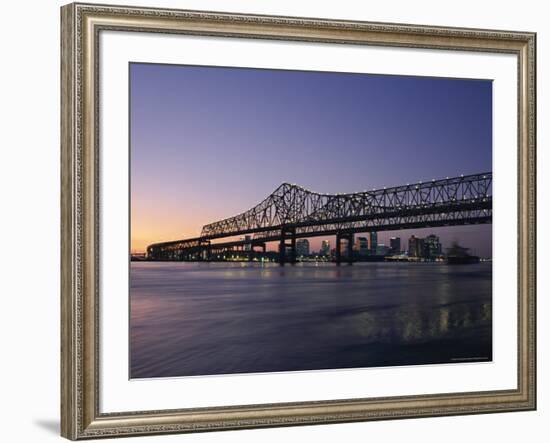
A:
[(272, 221)]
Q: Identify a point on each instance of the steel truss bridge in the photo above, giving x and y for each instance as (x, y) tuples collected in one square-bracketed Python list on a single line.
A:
[(292, 212)]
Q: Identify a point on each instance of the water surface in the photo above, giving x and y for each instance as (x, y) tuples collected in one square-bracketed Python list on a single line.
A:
[(222, 318)]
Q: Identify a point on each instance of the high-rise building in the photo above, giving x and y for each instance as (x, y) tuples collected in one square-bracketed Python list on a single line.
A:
[(395, 245), (302, 247), (325, 248), (373, 242), (432, 246), (382, 249), (362, 246), (416, 247)]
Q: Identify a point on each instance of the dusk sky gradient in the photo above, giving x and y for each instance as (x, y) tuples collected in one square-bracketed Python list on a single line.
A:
[(208, 143)]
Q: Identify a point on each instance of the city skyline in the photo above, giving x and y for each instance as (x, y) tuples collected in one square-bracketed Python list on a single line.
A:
[(361, 242), (229, 136)]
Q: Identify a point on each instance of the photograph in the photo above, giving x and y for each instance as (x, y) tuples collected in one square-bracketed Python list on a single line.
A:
[(286, 220)]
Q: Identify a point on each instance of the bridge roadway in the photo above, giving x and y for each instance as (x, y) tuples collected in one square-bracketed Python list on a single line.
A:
[(291, 212)]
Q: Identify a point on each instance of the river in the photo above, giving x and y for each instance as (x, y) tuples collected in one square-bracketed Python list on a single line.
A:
[(223, 318)]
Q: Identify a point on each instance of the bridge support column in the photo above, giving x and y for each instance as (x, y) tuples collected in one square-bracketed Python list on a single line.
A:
[(350, 249), (282, 250), (205, 250), (338, 256), (283, 245), (293, 248)]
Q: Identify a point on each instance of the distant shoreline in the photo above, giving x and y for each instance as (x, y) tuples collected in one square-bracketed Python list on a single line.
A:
[(441, 262)]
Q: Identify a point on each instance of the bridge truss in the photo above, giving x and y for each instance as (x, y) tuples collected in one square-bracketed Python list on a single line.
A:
[(292, 211)]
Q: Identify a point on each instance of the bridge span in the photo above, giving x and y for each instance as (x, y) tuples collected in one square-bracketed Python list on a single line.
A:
[(292, 212)]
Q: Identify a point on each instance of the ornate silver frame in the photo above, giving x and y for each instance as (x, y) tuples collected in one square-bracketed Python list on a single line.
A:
[(80, 28)]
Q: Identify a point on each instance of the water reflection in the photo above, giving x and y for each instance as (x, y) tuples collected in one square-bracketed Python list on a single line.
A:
[(416, 323), (214, 318)]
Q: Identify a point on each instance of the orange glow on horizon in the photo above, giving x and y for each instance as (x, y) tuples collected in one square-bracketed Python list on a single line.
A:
[(145, 231), (159, 220)]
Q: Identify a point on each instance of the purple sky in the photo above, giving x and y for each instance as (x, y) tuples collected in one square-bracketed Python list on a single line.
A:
[(208, 143)]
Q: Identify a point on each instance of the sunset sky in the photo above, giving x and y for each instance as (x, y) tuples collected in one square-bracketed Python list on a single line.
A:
[(208, 143)]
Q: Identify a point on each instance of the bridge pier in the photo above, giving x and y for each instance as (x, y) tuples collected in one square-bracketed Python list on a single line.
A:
[(283, 245), (349, 247), (206, 251), (338, 256)]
